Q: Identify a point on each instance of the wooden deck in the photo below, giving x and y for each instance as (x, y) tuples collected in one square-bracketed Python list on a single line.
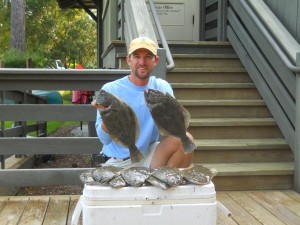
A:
[(257, 207)]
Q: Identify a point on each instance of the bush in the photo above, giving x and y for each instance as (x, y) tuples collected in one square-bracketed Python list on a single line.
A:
[(17, 59), (14, 59)]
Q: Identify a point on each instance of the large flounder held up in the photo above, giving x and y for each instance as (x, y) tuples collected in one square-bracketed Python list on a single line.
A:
[(170, 117), (121, 122)]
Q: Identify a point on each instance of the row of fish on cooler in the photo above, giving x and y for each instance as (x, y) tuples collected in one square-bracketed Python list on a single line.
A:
[(170, 117), (163, 177)]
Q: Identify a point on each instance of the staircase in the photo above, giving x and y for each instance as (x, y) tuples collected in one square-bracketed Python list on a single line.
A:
[(233, 129)]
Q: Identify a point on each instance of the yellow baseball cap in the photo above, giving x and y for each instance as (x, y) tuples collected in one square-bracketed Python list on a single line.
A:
[(142, 42)]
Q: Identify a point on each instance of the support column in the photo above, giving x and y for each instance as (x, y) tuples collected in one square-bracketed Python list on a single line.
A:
[(161, 68), (99, 36), (297, 130)]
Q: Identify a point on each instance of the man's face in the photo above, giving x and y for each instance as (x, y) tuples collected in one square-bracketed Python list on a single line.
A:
[(142, 63)]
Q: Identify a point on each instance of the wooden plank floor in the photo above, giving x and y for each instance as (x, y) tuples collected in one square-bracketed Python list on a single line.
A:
[(253, 207)]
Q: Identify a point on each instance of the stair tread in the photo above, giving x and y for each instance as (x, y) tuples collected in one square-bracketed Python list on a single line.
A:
[(209, 69), (231, 102), (212, 85), (202, 43), (231, 144), (250, 169), (232, 122), (206, 56)]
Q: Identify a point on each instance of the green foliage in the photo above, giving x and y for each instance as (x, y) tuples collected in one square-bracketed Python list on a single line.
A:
[(53, 126), (4, 26), (14, 59), (52, 33)]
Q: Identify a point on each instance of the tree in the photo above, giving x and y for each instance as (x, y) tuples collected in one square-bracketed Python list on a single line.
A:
[(52, 33), (17, 28), (69, 35)]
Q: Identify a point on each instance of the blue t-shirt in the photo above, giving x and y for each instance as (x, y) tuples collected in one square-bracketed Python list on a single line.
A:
[(134, 96)]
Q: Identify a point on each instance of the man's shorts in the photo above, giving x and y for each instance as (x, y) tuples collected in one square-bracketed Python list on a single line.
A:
[(127, 163)]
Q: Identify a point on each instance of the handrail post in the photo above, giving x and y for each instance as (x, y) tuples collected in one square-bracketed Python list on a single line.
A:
[(297, 130), (222, 20), (161, 69), (202, 20), (2, 124)]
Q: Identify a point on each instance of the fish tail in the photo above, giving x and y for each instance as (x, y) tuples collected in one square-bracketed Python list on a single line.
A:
[(188, 145), (135, 154)]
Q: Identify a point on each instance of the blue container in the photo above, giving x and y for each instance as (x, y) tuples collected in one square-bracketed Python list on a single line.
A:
[(8, 101), (53, 97)]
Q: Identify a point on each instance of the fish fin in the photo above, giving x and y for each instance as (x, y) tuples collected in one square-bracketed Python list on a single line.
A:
[(135, 154), (187, 116), (188, 145)]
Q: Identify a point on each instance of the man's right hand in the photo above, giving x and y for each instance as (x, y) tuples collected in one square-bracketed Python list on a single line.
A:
[(98, 106)]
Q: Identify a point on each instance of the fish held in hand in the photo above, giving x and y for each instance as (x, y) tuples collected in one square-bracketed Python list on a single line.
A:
[(170, 117), (121, 122)]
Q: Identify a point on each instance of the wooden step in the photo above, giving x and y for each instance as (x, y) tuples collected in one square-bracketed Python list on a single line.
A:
[(241, 144), (221, 91), (242, 150), (226, 108), (207, 60), (253, 176), (252, 169), (232, 122), (200, 47), (234, 128), (208, 75), (197, 61)]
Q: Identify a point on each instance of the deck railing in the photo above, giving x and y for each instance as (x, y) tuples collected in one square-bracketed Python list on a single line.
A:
[(21, 128), (45, 79)]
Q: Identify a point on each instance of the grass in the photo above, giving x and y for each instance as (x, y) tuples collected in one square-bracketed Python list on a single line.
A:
[(52, 126)]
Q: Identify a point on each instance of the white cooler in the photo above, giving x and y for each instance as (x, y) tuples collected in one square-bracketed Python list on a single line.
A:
[(147, 205)]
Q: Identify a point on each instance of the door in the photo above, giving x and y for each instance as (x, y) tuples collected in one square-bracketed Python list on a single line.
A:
[(179, 19)]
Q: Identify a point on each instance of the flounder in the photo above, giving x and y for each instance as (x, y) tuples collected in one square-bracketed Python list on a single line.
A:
[(169, 175), (199, 174), (86, 177), (157, 183), (170, 117), (106, 173), (121, 122), (117, 182), (136, 176)]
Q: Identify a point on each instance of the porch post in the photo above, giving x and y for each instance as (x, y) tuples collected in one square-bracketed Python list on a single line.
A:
[(297, 130), (161, 68)]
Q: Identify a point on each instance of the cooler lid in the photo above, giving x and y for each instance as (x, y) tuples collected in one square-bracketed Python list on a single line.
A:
[(191, 191)]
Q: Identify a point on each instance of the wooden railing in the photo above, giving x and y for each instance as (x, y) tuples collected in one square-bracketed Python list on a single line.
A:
[(21, 128), (44, 79)]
